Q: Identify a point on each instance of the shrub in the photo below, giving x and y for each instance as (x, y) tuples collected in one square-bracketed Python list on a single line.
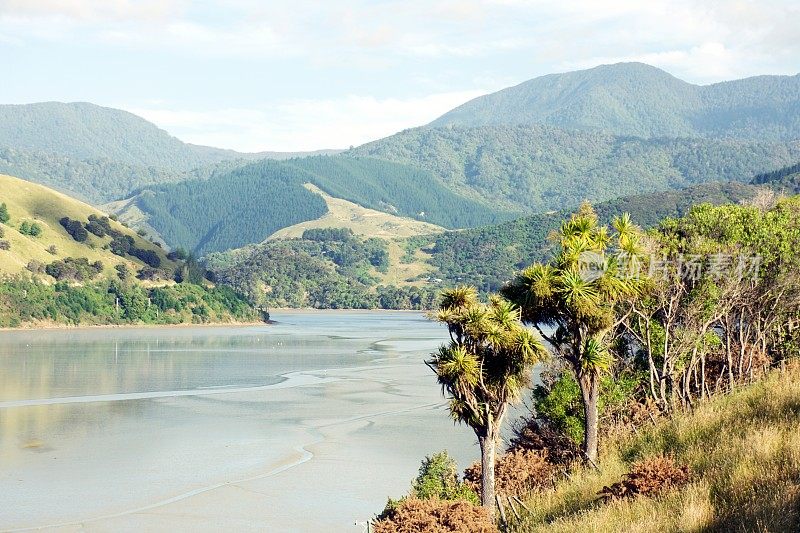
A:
[(4, 216), (30, 228), (435, 516), (2, 232), (35, 267), (518, 472), (438, 478), (149, 257), (5, 245), (52, 250), (649, 477), (73, 269)]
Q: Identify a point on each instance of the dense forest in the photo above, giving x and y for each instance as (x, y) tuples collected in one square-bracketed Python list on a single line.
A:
[(540, 168), (249, 203), (643, 101)]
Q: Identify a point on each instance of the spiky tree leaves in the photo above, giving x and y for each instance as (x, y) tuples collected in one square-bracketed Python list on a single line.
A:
[(576, 296), (484, 368)]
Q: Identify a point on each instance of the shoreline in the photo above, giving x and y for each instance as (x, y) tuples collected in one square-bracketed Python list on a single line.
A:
[(78, 327)]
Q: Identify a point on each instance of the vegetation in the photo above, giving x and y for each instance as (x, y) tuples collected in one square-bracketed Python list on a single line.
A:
[(484, 369), (577, 294), (89, 132), (322, 272), (45, 226), (742, 450), (204, 216), (4, 216), (655, 324), (537, 168), (25, 301)]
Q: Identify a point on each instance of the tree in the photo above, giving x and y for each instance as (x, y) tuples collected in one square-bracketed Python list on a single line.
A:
[(4, 216), (577, 295), (484, 368)]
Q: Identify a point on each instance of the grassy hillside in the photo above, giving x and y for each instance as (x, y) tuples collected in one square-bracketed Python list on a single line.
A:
[(641, 100), (537, 168), (744, 451), (362, 221), (30, 202)]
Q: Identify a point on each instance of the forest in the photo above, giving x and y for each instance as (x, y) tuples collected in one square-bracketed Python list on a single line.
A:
[(538, 168)]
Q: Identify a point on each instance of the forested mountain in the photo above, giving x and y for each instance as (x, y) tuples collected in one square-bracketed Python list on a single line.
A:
[(87, 131), (249, 203), (644, 101), (542, 168)]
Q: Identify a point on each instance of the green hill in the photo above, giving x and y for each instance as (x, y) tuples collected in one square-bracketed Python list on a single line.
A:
[(34, 204), (539, 168), (250, 203), (640, 100)]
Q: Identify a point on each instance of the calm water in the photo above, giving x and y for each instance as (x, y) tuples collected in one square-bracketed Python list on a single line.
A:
[(306, 425)]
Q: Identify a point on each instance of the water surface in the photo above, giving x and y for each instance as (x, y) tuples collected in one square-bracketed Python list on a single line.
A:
[(305, 425)]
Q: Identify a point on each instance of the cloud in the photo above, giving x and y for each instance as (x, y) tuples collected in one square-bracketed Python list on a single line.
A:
[(301, 124), (92, 10)]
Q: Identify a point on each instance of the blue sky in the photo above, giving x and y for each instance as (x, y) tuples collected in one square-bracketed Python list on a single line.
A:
[(297, 75)]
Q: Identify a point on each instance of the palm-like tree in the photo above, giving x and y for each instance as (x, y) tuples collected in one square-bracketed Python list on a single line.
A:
[(576, 296), (485, 367)]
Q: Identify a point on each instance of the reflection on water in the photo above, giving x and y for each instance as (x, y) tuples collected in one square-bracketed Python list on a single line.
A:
[(99, 422)]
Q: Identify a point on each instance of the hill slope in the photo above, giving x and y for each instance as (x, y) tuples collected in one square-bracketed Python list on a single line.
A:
[(641, 100), (744, 452), (250, 203), (32, 203), (538, 168)]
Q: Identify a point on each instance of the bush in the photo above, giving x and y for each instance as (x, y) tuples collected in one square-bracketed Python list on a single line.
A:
[(649, 477), (438, 478), (30, 228), (4, 216), (35, 267), (517, 472), (435, 516), (75, 229), (52, 250), (148, 257), (5, 245), (72, 269)]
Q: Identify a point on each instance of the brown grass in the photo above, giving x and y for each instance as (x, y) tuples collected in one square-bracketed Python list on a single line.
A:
[(744, 451)]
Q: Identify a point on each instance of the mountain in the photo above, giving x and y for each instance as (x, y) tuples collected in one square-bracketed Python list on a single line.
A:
[(640, 100), (250, 203), (538, 168), (86, 131), (32, 204)]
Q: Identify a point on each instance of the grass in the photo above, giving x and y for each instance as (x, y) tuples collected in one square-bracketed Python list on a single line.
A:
[(744, 450), (36, 203), (363, 221)]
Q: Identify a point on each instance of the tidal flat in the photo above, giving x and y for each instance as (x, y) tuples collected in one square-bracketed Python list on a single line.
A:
[(307, 424)]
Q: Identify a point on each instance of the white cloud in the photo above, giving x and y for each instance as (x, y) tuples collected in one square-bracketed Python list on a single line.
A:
[(295, 125)]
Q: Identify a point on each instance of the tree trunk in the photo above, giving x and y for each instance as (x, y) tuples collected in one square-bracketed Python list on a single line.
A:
[(590, 391), (488, 445)]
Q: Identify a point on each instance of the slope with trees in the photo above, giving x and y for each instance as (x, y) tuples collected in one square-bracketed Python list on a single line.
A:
[(539, 168)]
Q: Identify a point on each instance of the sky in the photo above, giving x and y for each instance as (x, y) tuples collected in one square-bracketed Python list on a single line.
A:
[(297, 75)]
